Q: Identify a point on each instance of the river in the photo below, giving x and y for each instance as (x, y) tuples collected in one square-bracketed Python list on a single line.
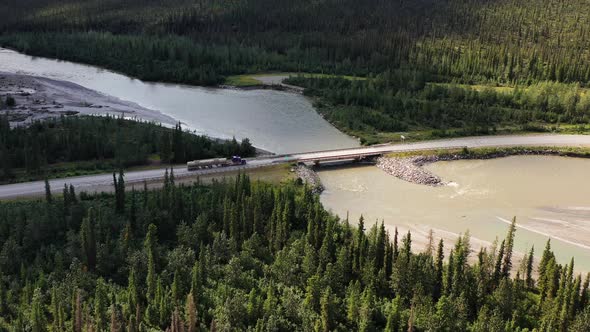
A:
[(276, 121), (549, 196), (482, 198)]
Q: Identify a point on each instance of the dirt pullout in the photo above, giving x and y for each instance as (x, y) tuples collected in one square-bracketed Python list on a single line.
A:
[(39, 98), (410, 169)]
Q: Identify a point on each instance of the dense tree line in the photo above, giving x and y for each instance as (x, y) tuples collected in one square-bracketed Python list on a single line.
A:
[(535, 45), (404, 100), (501, 41), (166, 58), (104, 143), (240, 255)]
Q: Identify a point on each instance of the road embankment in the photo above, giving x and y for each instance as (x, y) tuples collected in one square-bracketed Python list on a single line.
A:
[(309, 176)]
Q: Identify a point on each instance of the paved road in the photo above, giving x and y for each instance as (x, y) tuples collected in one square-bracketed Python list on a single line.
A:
[(101, 181), (93, 182), (470, 142)]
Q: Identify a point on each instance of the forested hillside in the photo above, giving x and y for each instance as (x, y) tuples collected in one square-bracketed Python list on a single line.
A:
[(501, 41), (523, 45), (408, 101), (240, 255), (71, 145)]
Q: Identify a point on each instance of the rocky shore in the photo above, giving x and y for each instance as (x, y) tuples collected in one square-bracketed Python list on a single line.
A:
[(309, 176), (410, 169)]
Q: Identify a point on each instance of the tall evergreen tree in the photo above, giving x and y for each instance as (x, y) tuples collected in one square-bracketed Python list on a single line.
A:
[(48, 197), (507, 264), (88, 239), (149, 245)]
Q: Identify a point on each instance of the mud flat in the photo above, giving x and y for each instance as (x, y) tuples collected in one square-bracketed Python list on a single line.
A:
[(40, 98)]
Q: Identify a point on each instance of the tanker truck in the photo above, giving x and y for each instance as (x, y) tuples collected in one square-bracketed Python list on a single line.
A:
[(215, 162)]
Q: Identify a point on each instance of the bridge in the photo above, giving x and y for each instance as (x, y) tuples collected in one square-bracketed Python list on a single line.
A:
[(356, 154), (447, 144), (102, 182)]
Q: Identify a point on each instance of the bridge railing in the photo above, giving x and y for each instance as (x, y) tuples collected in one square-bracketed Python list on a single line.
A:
[(372, 153)]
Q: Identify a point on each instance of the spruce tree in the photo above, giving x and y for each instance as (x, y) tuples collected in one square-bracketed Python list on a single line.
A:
[(497, 275), (327, 310), (77, 311), (37, 315), (439, 271), (88, 239), (191, 313), (120, 193), (149, 245), (48, 197), (530, 283), (395, 245), (507, 264), (359, 244), (132, 292), (100, 305), (393, 316)]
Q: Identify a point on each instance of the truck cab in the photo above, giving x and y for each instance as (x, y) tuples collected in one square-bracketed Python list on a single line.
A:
[(237, 160)]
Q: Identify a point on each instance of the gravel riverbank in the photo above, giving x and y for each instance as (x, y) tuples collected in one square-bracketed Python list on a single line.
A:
[(39, 98)]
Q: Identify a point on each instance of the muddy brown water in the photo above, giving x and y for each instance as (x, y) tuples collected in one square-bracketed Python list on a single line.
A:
[(550, 197)]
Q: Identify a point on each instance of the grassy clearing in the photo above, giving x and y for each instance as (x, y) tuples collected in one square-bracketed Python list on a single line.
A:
[(247, 80), (316, 75), (499, 89), (477, 87), (242, 80), (273, 174)]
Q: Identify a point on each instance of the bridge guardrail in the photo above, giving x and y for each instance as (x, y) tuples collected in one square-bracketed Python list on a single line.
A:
[(374, 153)]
